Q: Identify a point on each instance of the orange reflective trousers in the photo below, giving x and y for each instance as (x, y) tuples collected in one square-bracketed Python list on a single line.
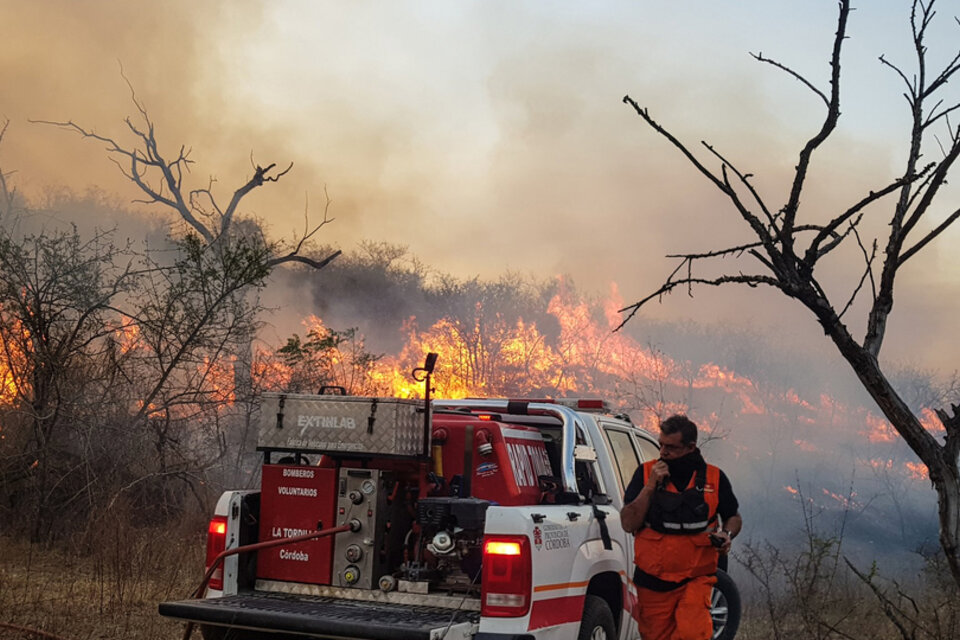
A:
[(680, 614)]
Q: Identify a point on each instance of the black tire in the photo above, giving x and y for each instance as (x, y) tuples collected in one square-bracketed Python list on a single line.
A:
[(597, 621), (725, 607)]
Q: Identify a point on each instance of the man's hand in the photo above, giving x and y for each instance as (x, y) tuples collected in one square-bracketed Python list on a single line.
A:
[(658, 473), (731, 528), (721, 540), (633, 514)]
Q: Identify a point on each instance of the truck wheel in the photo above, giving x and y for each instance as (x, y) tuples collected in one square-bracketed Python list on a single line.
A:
[(725, 607), (597, 621)]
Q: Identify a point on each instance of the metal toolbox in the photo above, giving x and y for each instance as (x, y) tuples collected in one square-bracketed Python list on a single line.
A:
[(343, 425)]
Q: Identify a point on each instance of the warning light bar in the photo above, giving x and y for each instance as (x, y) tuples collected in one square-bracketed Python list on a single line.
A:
[(580, 404), (584, 404)]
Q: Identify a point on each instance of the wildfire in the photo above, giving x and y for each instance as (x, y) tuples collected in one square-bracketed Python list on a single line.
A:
[(847, 502), (878, 429), (8, 385), (917, 470), (127, 334), (930, 421), (13, 362), (218, 376), (484, 354)]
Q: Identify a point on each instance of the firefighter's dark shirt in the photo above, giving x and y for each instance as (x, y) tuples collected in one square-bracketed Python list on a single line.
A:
[(727, 507)]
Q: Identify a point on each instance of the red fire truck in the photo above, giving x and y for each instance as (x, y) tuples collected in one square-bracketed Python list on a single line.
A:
[(384, 518)]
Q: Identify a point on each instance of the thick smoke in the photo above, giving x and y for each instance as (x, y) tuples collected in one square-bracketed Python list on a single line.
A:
[(487, 138)]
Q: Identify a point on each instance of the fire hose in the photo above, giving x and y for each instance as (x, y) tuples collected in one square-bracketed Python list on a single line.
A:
[(354, 526)]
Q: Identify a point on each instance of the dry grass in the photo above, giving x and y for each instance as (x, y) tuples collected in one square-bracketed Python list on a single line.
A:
[(104, 586), (105, 583)]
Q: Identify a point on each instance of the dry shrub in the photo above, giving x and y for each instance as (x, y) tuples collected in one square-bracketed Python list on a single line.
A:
[(812, 591), (104, 583)]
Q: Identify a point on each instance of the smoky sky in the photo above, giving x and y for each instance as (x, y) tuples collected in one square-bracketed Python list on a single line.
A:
[(488, 136)]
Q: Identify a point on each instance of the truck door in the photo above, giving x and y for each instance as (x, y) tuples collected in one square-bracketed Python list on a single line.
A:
[(628, 451)]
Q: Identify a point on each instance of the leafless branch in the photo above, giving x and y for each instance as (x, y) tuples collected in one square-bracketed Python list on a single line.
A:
[(140, 161), (944, 76), (911, 86), (133, 93), (308, 233), (737, 250), (670, 285), (643, 113), (929, 193), (829, 124), (260, 176), (814, 252), (310, 262), (867, 272), (933, 117), (907, 622), (207, 193), (294, 254), (745, 179), (761, 58), (909, 253)]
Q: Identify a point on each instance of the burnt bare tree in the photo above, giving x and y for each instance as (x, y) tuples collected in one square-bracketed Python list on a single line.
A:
[(160, 177), (787, 252)]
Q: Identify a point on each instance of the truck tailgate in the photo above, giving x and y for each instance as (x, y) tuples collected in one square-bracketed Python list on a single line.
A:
[(325, 617)]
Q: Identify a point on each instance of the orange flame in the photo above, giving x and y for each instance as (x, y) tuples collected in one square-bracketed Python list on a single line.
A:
[(13, 362), (483, 354), (879, 430), (917, 470), (127, 334)]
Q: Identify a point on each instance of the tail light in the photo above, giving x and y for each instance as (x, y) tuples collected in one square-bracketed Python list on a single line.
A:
[(216, 543), (507, 576)]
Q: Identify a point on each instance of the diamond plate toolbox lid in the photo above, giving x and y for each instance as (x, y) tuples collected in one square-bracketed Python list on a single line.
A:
[(343, 424)]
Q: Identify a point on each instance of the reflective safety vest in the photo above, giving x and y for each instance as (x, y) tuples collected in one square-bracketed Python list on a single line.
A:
[(674, 544)]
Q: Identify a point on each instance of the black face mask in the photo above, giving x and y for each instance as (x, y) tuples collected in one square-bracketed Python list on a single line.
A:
[(683, 468), (686, 464)]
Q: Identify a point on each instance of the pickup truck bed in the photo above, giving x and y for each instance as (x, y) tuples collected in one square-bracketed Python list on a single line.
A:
[(323, 616)]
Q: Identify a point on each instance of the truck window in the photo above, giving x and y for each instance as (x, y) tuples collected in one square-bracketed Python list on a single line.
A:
[(649, 450), (625, 455)]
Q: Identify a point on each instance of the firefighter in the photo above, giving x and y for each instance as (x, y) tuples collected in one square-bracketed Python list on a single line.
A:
[(683, 514)]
